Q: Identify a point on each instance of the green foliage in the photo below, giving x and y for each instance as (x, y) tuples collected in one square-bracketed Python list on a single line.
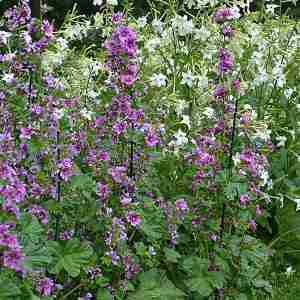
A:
[(154, 285), (71, 256)]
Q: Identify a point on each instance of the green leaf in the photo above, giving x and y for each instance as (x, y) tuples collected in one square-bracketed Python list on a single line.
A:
[(216, 279), (171, 255), (194, 265), (8, 290), (154, 285), (71, 257), (36, 262), (200, 285), (104, 294)]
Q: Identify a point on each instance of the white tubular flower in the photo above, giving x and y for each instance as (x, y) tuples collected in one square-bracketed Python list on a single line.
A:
[(97, 2), (158, 80), (187, 78)]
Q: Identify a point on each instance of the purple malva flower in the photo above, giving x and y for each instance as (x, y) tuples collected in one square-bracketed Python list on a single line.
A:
[(220, 91), (46, 286), (40, 213), (12, 259), (225, 61), (117, 17), (237, 85), (65, 169), (227, 31), (224, 14), (125, 199), (244, 199), (252, 225), (118, 174), (151, 138), (258, 210), (26, 133), (103, 190), (129, 76), (181, 205), (123, 41), (119, 128), (133, 218)]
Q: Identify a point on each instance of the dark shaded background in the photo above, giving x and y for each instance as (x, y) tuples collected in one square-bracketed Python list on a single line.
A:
[(60, 7)]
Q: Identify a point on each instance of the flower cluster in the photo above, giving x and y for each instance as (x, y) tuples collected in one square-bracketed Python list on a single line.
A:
[(12, 255)]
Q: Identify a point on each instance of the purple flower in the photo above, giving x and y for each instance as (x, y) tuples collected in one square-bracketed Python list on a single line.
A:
[(46, 286), (125, 199), (223, 14), (117, 17), (227, 31), (220, 91), (252, 225), (244, 199), (26, 133), (258, 210), (129, 76), (119, 128), (151, 138), (40, 213), (103, 190), (65, 169), (12, 259), (225, 61), (181, 205), (123, 41), (133, 218), (237, 85), (118, 174)]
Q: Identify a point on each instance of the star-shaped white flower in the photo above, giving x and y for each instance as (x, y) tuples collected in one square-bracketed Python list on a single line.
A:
[(97, 2), (297, 201)]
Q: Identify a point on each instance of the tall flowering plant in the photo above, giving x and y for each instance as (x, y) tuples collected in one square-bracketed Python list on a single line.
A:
[(144, 172)]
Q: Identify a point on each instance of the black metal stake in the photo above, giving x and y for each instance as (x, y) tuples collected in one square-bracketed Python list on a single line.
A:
[(230, 162), (58, 186)]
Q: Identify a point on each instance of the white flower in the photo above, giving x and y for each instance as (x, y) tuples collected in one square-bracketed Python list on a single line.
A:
[(97, 2), (289, 271), (236, 12), (58, 114), (158, 80), (86, 114), (180, 138), (186, 120), (8, 77), (98, 20), (153, 44), (263, 134), (209, 112), (264, 175), (288, 93), (187, 78), (142, 22), (181, 105), (4, 36), (281, 141), (182, 25), (201, 34), (112, 2), (202, 81), (157, 26), (236, 159), (62, 43), (270, 8), (297, 201), (92, 94)]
